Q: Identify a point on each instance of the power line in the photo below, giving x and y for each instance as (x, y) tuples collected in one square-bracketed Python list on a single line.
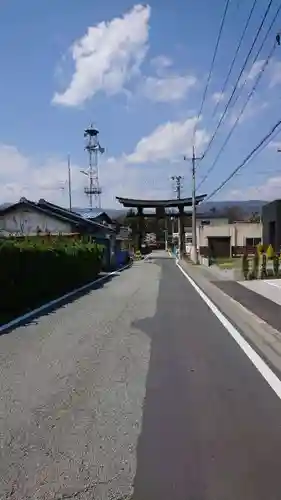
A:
[(212, 66), (228, 137), (265, 64), (258, 54), (238, 79), (235, 55), (257, 150)]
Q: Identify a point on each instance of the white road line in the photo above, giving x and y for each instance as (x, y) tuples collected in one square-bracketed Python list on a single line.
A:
[(257, 361)]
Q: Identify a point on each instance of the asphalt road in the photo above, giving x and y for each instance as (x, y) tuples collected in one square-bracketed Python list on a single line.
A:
[(135, 385), (211, 424)]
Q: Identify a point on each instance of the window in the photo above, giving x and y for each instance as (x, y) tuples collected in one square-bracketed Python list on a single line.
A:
[(252, 242)]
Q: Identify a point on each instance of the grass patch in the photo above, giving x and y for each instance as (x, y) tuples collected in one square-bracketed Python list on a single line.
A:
[(228, 262)]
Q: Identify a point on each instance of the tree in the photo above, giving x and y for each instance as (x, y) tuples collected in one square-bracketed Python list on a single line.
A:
[(270, 252), (234, 213), (130, 213), (255, 217)]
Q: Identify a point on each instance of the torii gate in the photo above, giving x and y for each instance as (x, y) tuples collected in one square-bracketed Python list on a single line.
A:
[(160, 207)]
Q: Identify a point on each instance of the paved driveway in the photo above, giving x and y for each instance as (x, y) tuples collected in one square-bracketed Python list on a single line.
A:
[(271, 289)]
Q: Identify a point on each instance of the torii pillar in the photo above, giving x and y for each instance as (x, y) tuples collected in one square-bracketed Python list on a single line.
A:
[(140, 228)]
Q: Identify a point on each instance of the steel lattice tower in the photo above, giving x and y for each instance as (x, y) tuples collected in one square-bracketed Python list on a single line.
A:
[(93, 147)]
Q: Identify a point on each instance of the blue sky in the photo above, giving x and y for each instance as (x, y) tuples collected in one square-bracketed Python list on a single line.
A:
[(138, 72)]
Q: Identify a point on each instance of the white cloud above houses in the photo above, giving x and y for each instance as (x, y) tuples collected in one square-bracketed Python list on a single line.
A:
[(107, 57), (168, 88), (147, 169), (275, 145), (218, 97), (253, 108), (268, 189), (254, 71), (169, 141), (160, 64), (275, 73)]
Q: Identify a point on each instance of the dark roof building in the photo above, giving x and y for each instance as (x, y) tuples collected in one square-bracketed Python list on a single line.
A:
[(78, 223), (95, 214)]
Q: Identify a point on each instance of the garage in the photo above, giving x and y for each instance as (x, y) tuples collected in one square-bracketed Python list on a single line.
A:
[(219, 246)]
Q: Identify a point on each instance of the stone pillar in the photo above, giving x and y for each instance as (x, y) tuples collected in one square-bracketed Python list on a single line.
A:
[(140, 227)]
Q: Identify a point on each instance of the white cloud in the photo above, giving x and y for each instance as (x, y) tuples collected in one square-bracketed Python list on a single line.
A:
[(143, 173), (275, 73), (167, 89), (160, 64), (275, 145), (255, 70), (252, 109), (218, 97), (169, 141), (268, 190), (107, 57), (21, 175)]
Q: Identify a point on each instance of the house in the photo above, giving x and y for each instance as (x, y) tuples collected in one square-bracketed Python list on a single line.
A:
[(216, 237), (28, 218), (204, 220)]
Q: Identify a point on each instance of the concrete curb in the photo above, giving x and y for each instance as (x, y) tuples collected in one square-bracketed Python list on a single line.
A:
[(56, 302)]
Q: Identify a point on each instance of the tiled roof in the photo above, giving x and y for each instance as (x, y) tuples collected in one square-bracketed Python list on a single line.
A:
[(58, 212), (93, 213)]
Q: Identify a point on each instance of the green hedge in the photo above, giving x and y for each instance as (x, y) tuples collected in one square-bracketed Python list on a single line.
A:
[(36, 270)]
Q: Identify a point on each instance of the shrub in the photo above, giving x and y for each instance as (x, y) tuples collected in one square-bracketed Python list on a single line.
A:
[(255, 269), (276, 265), (33, 271), (270, 252), (263, 272), (245, 265)]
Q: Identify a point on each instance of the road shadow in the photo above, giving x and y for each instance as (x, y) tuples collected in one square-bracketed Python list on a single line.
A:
[(35, 315)]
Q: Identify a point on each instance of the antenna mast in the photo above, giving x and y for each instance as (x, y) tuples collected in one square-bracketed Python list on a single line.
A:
[(93, 147)]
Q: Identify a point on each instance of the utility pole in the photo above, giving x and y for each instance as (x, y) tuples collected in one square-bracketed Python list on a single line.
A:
[(177, 179), (69, 182), (194, 254)]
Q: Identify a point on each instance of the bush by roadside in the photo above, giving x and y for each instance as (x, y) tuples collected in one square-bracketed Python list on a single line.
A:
[(33, 271)]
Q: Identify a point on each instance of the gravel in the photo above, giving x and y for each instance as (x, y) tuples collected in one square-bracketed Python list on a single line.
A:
[(72, 390)]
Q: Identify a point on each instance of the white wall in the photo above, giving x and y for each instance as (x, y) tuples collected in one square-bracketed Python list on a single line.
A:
[(205, 232), (216, 221), (247, 230), (238, 232), (27, 221)]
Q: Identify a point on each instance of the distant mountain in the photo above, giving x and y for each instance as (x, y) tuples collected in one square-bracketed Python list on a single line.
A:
[(215, 207), (219, 207), (4, 205), (113, 213)]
